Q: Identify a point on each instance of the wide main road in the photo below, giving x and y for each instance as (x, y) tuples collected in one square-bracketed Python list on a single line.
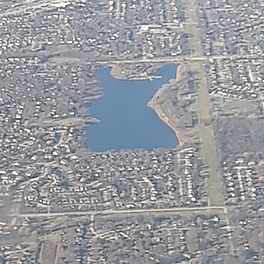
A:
[(203, 106)]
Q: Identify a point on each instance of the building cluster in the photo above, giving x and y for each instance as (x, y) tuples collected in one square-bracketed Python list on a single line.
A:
[(240, 151), (151, 238), (136, 238), (163, 238), (103, 31), (44, 109), (232, 27), (237, 78), (243, 178), (62, 203), (47, 87), (116, 180), (190, 187), (247, 223), (232, 40)]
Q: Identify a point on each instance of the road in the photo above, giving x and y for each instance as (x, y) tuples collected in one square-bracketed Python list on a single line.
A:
[(82, 56), (125, 211)]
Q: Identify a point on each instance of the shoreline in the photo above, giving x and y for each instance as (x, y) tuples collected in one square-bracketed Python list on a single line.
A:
[(116, 72), (162, 114), (164, 118)]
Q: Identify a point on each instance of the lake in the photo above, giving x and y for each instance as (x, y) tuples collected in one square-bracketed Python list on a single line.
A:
[(126, 122)]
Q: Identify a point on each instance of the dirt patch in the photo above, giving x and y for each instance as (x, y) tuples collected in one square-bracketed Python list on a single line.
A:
[(49, 250), (116, 72)]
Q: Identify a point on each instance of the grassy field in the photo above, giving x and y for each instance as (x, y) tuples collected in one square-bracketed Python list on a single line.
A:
[(210, 156), (202, 107), (239, 106)]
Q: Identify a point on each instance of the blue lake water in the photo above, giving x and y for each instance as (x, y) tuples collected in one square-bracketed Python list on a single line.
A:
[(126, 122)]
